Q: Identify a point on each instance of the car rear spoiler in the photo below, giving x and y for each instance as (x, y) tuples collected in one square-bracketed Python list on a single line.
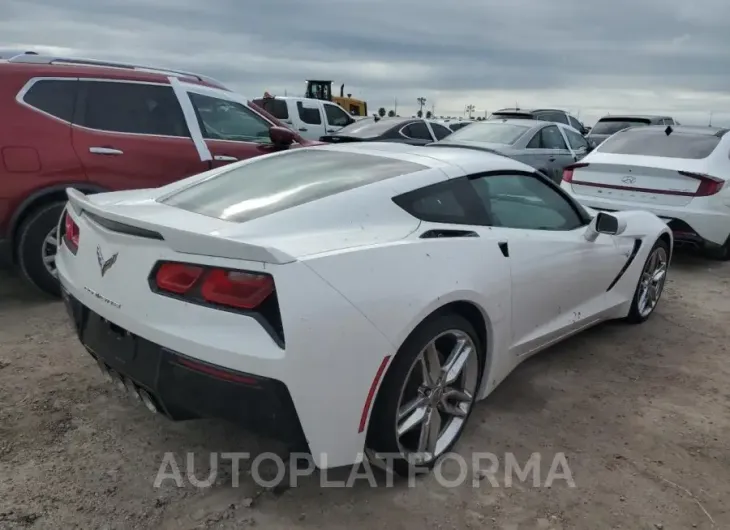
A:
[(181, 240)]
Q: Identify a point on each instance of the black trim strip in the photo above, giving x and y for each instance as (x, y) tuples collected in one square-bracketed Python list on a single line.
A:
[(122, 228), (448, 233), (632, 256)]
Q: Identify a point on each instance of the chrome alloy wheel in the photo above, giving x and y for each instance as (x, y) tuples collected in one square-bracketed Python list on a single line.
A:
[(652, 281), (48, 251), (437, 396)]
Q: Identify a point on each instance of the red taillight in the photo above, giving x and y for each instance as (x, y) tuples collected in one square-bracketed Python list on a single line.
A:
[(71, 233), (230, 288), (568, 171), (243, 290), (709, 185), (177, 278)]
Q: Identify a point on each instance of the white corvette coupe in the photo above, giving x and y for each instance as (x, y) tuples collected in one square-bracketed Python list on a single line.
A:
[(346, 297)]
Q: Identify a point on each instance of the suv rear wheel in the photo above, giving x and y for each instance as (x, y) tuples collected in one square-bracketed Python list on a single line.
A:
[(37, 246)]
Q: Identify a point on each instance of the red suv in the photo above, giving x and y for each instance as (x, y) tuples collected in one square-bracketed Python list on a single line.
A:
[(98, 126)]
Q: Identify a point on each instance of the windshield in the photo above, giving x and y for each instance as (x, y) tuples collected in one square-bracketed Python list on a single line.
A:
[(270, 184), (369, 128), (655, 142), (493, 133), (614, 125)]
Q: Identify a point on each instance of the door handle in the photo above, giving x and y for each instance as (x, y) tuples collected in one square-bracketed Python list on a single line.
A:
[(551, 159), (105, 151), (330, 130), (303, 129), (224, 158)]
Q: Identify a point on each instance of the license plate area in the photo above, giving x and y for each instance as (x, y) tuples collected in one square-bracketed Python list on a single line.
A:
[(109, 341)]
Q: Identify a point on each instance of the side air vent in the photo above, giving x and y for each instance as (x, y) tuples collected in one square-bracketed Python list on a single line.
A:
[(431, 234)]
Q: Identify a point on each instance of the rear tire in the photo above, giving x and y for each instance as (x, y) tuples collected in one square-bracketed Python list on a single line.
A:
[(648, 286), (36, 251), (406, 393)]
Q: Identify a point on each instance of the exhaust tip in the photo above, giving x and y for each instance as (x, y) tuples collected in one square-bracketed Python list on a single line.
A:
[(147, 400)]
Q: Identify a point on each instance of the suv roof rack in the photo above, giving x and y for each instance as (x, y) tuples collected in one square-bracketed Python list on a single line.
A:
[(34, 58)]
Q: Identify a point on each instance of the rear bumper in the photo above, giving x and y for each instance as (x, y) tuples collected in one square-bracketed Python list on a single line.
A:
[(700, 227), (182, 388)]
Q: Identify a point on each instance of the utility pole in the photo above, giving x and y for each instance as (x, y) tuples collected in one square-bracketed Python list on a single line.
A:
[(395, 106), (470, 109), (421, 103), (710, 124)]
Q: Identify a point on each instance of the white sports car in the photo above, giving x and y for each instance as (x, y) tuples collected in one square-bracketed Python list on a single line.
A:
[(347, 297)]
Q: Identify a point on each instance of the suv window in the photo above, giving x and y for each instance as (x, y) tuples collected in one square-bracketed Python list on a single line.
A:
[(276, 107), (221, 119), (525, 202), (132, 108), (417, 131), (336, 116), (440, 131), (548, 138), (270, 184), (609, 126), (552, 115), (576, 141), (309, 115), (437, 203), (575, 124), (54, 97), (654, 142)]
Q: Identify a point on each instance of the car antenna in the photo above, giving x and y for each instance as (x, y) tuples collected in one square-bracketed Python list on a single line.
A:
[(668, 130)]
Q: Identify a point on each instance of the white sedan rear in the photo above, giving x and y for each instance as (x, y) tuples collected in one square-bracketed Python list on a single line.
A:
[(344, 297), (678, 173)]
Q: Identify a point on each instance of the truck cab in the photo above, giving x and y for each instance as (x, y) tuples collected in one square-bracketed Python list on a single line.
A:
[(311, 118)]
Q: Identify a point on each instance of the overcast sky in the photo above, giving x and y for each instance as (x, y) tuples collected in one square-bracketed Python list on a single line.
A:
[(590, 57)]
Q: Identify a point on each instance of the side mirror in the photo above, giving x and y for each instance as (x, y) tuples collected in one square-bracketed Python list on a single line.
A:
[(281, 136), (604, 223)]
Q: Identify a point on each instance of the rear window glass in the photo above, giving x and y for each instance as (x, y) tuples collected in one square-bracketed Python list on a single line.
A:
[(654, 142), (511, 115), (494, 132), (276, 107), (369, 128), (273, 183), (610, 126)]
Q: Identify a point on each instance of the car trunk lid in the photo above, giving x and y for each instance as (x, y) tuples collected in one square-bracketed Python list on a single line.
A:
[(648, 180)]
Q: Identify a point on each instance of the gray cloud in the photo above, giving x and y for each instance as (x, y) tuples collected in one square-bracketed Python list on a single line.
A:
[(619, 56)]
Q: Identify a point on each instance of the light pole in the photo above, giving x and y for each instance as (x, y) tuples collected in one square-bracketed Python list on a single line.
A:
[(470, 109), (421, 103)]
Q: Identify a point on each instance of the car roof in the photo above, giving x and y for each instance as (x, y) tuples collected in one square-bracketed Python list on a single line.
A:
[(532, 124), (526, 111), (43, 65)]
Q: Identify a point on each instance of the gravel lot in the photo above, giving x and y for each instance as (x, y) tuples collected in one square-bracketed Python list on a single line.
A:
[(641, 413)]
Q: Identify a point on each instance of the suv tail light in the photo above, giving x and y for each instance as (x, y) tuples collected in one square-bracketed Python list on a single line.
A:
[(71, 233), (709, 185), (568, 171)]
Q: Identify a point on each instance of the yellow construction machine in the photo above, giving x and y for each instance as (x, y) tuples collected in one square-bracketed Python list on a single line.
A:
[(323, 90)]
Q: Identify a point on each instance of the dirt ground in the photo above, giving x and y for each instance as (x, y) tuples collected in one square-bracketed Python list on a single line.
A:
[(640, 412)]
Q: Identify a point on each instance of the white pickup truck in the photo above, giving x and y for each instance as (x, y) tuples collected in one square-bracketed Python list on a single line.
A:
[(311, 118)]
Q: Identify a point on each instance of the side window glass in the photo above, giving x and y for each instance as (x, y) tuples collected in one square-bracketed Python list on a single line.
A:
[(417, 131), (552, 139), (276, 107), (440, 131), (336, 116), (536, 142), (54, 97), (309, 115), (221, 119), (575, 124), (437, 203), (133, 108), (525, 202), (576, 141)]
